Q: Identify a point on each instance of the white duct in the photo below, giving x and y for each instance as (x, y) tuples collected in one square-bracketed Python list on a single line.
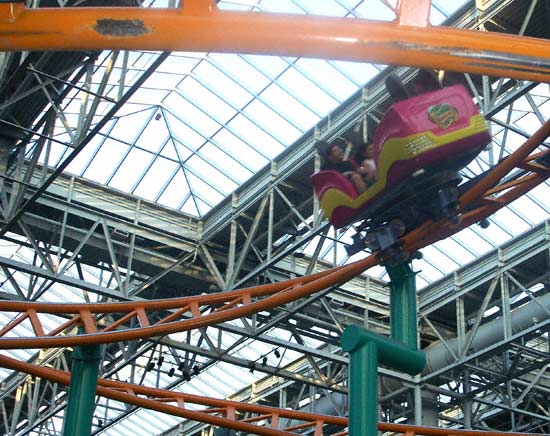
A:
[(528, 315)]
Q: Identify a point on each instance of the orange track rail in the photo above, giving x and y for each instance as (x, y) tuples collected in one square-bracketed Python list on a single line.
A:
[(226, 413), (200, 26), (182, 314)]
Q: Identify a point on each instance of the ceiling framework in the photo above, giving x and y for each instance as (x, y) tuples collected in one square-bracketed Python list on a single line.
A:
[(86, 242)]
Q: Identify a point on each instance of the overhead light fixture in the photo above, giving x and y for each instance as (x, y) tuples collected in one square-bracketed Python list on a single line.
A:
[(186, 374)]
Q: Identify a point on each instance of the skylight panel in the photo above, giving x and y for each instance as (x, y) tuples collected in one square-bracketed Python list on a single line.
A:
[(143, 422), (183, 133), (254, 159), (529, 123), (55, 152), (459, 253), (436, 17), (156, 177), (131, 170), (322, 7), (474, 243), (241, 71), (222, 85), (282, 6), (169, 151), (153, 137), (255, 136), (208, 172), (359, 72), (427, 270), (203, 190), (226, 163), (307, 92), (440, 259), (510, 221), (82, 159), (159, 80), (541, 194), (494, 233), (106, 160), (278, 127), (529, 210), (271, 66), (448, 7), (282, 102), (204, 388), (375, 10), (190, 207), (148, 96), (194, 117), (207, 100), (420, 282), (323, 73), (126, 127), (179, 63)]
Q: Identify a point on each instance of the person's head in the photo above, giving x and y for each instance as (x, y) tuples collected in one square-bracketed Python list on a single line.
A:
[(368, 151), (335, 153)]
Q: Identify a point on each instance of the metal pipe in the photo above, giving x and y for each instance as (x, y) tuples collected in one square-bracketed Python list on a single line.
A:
[(206, 29), (439, 356)]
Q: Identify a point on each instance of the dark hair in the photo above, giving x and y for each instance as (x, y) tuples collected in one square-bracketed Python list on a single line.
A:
[(324, 147)]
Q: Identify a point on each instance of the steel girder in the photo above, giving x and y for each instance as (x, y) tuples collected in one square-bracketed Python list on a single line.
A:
[(243, 211), (195, 26)]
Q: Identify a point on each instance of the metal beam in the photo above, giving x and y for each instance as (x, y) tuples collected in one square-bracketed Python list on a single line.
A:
[(206, 29)]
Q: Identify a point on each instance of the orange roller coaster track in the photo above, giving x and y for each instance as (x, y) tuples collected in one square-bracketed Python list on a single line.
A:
[(224, 413), (200, 26), (181, 314)]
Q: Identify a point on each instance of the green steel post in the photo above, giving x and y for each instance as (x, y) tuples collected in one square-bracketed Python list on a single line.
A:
[(82, 391), (363, 391), (391, 353), (403, 316)]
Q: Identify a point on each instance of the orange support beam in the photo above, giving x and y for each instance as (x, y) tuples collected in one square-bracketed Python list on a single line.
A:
[(201, 26), (226, 413)]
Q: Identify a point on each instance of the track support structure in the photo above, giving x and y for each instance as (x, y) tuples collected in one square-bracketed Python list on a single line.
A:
[(368, 350), (82, 391)]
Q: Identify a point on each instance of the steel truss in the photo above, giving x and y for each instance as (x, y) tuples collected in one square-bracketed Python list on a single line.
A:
[(223, 306), (119, 248)]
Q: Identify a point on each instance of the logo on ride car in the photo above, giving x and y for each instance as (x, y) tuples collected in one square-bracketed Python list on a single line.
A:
[(444, 115)]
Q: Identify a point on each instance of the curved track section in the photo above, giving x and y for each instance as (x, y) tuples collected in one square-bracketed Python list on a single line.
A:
[(223, 413), (105, 323)]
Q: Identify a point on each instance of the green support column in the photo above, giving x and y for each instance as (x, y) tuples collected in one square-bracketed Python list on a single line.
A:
[(82, 391), (363, 391), (367, 349), (403, 316)]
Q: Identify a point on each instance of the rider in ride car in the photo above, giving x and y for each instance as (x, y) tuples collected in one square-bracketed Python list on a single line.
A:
[(364, 162), (333, 159)]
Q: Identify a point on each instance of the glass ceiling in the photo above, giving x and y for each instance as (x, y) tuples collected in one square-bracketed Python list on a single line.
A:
[(204, 123)]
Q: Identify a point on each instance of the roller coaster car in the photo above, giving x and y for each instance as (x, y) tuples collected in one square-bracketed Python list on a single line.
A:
[(419, 146)]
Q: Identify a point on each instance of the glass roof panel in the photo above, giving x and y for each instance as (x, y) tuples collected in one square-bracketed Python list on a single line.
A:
[(131, 170), (204, 123)]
